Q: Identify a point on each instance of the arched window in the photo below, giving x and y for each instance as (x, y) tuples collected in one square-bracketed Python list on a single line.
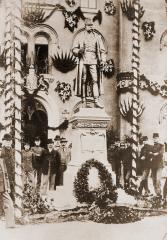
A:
[(41, 54)]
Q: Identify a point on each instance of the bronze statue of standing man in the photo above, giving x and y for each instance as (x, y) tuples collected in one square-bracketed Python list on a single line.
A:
[(89, 48)]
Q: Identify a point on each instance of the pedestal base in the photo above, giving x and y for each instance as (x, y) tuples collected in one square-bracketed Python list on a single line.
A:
[(88, 137)]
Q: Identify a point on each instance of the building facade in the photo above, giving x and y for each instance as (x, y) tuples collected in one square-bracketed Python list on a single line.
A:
[(49, 28)]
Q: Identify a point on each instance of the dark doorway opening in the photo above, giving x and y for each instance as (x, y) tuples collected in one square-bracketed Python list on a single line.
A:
[(35, 123)]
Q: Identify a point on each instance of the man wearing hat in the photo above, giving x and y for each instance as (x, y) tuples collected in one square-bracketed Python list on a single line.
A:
[(57, 148), (116, 165), (65, 158), (89, 48), (145, 158), (127, 162), (8, 155), (37, 160), (5, 193), (157, 154), (27, 165), (57, 142), (50, 166)]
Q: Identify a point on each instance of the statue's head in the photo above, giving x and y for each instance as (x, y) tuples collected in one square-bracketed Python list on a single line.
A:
[(88, 24)]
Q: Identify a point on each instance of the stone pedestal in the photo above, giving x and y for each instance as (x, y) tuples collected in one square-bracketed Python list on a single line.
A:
[(88, 137)]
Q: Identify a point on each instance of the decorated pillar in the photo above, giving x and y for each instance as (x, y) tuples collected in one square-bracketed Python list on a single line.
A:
[(9, 67), (17, 103), (135, 88), (128, 82), (13, 90)]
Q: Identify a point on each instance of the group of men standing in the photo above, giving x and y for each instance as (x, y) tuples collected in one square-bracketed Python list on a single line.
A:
[(151, 160), (42, 169)]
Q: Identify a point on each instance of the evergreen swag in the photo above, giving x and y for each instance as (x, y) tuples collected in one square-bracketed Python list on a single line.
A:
[(33, 203), (101, 196)]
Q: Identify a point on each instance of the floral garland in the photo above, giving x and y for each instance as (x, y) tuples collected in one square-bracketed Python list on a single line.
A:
[(111, 214), (72, 18), (109, 8), (64, 90), (33, 203), (125, 81), (115, 215), (108, 68), (153, 87), (129, 11), (106, 192), (148, 30)]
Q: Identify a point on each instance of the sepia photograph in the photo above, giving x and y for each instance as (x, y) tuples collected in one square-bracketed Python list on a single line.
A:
[(83, 119)]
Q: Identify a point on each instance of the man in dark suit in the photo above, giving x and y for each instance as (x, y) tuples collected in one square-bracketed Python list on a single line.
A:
[(145, 158), (157, 154), (37, 151), (57, 146), (50, 166), (127, 163)]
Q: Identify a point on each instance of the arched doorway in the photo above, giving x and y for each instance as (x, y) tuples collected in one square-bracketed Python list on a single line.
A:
[(34, 122)]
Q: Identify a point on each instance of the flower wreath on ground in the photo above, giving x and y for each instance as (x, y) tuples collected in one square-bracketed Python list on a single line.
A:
[(101, 195)]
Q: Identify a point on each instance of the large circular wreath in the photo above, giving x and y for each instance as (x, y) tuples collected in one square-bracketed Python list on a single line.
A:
[(81, 185)]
